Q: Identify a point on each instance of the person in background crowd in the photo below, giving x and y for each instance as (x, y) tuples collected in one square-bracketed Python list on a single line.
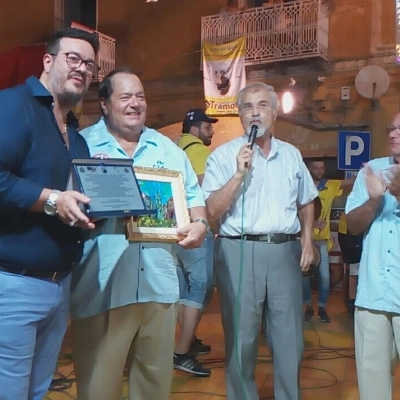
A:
[(328, 189), (195, 270)]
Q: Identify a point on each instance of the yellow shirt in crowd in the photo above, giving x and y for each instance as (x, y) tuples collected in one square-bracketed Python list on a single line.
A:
[(196, 151), (342, 224), (330, 190)]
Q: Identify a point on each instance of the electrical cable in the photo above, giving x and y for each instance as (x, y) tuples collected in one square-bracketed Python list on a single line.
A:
[(320, 353), (236, 318), (64, 382)]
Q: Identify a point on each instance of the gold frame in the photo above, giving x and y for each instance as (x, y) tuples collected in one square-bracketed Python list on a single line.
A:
[(137, 233)]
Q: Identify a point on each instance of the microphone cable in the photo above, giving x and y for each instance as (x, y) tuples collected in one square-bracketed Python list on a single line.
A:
[(236, 317)]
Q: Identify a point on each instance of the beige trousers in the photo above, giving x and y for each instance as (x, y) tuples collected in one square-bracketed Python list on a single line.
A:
[(138, 336), (377, 337)]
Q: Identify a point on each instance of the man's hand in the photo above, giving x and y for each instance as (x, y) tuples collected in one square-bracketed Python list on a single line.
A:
[(307, 255), (69, 212), (243, 159), (376, 185), (320, 224), (394, 185), (192, 235)]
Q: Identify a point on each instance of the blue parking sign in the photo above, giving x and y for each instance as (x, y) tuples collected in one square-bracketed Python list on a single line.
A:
[(354, 149)]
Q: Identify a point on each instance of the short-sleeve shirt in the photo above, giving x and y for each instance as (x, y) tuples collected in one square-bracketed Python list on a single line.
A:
[(327, 192), (196, 151), (113, 272), (379, 274), (342, 228), (269, 197)]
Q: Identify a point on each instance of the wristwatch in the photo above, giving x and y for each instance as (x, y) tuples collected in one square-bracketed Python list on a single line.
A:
[(204, 222), (50, 206)]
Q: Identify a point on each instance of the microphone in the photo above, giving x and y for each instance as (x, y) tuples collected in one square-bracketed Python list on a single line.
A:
[(252, 139), (253, 135)]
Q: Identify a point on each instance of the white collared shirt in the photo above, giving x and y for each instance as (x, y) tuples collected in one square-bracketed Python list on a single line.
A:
[(273, 188)]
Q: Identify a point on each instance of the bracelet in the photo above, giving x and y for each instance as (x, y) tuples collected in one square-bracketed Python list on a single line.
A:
[(204, 222)]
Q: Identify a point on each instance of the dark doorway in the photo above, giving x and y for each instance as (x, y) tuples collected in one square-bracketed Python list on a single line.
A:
[(81, 11)]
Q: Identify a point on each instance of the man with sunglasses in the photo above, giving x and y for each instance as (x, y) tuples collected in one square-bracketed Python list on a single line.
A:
[(373, 207), (40, 222)]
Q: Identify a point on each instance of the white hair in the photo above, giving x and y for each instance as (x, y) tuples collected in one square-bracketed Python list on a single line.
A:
[(255, 87)]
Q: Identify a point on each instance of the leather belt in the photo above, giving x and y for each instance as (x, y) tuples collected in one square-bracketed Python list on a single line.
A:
[(39, 273), (274, 238)]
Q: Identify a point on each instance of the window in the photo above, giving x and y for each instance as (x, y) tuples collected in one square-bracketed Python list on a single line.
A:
[(82, 11)]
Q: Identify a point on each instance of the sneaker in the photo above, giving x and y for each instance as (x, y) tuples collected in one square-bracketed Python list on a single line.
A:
[(198, 348), (323, 315), (188, 363), (309, 314)]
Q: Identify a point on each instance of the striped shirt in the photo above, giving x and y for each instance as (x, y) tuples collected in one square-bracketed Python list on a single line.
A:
[(274, 187)]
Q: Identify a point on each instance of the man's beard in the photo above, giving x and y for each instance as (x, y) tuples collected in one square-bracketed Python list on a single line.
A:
[(69, 98), (206, 140), (260, 130), (64, 96)]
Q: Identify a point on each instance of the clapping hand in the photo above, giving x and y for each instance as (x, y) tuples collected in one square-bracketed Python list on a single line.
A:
[(376, 184), (394, 181)]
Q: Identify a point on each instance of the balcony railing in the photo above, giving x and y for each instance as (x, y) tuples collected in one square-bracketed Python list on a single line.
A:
[(105, 58), (275, 32), (106, 55)]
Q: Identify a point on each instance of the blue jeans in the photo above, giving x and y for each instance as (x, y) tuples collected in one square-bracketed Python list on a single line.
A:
[(195, 274), (323, 275), (33, 320)]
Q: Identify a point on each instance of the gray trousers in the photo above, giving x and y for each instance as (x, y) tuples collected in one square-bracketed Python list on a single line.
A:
[(271, 278)]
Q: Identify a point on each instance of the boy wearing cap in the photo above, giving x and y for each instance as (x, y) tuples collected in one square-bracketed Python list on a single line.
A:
[(195, 270)]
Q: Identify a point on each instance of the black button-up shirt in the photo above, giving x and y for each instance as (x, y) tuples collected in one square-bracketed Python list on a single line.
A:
[(33, 156)]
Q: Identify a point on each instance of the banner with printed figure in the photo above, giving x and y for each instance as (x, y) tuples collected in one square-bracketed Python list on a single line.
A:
[(224, 75)]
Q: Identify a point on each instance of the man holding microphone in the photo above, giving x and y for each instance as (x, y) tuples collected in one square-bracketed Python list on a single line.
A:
[(261, 198)]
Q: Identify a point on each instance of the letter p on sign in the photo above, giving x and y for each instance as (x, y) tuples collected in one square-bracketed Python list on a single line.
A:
[(353, 149)]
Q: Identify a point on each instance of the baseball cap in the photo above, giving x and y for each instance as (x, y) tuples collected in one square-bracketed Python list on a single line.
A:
[(195, 115)]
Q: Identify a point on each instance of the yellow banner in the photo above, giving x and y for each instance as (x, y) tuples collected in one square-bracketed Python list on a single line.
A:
[(224, 75)]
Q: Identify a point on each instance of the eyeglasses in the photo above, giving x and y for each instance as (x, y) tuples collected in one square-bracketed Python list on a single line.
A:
[(262, 105), (74, 62), (391, 128)]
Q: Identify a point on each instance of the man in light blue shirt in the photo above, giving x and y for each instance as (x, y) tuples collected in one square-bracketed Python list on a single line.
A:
[(260, 197), (373, 207), (124, 294)]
